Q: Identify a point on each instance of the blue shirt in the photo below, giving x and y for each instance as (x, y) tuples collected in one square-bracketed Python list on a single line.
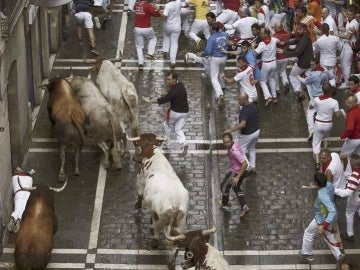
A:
[(324, 206), (215, 42), (252, 61), (315, 79)]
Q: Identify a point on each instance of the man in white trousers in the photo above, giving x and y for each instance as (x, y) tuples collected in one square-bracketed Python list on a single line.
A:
[(20, 197), (143, 30), (349, 39), (352, 191), (172, 29), (178, 113), (248, 127), (325, 221)]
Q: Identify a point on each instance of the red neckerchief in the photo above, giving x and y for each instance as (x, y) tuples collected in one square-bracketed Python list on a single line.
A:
[(266, 40), (356, 89), (325, 165), (319, 68), (22, 174), (243, 68), (324, 96)]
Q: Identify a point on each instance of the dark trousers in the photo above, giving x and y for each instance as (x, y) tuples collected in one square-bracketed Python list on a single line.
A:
[(225, 189)]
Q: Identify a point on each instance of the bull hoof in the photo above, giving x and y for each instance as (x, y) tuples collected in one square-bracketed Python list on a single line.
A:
[(154, 243), (138, 204), (62, 178), (76, 173)]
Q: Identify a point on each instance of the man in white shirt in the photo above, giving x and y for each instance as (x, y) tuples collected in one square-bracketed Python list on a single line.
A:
[(349, 38), (172, 29), (327, 18), (328, 45), (243, 25), (245, 77), (333, 167), (267, 49), (325, 107)]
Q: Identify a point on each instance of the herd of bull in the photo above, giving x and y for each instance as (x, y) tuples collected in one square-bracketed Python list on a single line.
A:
[(85, 112)]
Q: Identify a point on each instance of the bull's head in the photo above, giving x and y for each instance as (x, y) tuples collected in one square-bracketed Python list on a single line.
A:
[(50, 188), (146, 141), (188, 236)]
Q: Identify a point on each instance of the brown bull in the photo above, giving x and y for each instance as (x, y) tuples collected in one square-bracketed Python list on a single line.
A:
[(185, 240), (34, 241), (67, 118)]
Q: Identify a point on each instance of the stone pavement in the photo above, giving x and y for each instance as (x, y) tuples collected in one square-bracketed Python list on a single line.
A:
[(98, 225)]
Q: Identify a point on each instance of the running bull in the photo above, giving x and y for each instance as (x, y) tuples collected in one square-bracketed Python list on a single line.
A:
[(101, 124), (34, 241), (160, 188), (68, 120), (121, 94)]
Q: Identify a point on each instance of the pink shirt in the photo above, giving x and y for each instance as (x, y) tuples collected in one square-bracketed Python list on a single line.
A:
[(237, 157)]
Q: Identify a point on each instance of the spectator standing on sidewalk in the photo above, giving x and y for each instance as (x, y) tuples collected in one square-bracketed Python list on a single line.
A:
[(178, 113), (249, 130), (84, 19), (325, 221), (172, 30), (304, 52), (352, 192), (143, 30), (234, 178)]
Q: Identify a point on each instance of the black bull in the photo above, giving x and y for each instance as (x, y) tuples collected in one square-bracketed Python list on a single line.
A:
[(34, 241)]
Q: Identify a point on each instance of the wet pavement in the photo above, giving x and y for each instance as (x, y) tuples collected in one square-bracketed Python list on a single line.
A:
[(99, 228)]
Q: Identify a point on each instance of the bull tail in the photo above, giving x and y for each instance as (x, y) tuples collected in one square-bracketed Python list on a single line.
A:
[(173, 218), (115, 153), (79, 128), (132, 104)]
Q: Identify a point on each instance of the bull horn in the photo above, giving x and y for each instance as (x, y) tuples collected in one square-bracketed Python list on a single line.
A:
[(61, 188), (43, 84), (89, 61), (25, 188), (175, 238), (132, 139), (115, 59), (209, 231), (161, 138), (189, 255)]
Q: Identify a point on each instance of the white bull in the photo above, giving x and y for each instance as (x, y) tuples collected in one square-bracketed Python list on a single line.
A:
[(101, 124), (161, 189), (120, 93)]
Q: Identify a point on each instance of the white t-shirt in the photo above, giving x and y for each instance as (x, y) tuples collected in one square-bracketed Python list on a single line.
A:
[(243, 27), (325, 108), (337, 169), (172, 12), (327, 46), (353, 24), (247, 84), (268, 51)]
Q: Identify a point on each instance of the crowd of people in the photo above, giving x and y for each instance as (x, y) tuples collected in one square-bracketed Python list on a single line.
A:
[(319, 39)]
